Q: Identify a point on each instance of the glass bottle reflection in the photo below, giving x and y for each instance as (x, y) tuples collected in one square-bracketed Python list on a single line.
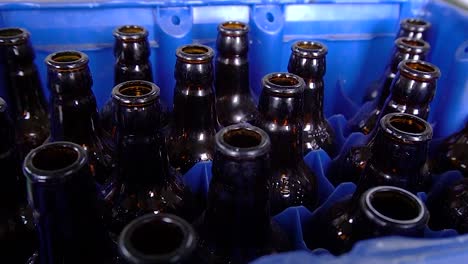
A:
[(380, 211), (234, 101), (308, 60), (236, 226), (67, 213), (73, 113), (157, 239), (146, 181), (280, 107), (367, 117), (27, 102), (195, 123)]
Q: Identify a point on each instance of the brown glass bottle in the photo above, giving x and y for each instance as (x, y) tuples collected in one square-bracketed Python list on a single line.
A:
[(367, 117), (380, 211), (308, 60), (17, 236), (292, 182), (74, 116), (452, 154), (194, 124), (399, 154), (157, 239), (146, 181), (415, 28), (236, 226), (449, 209), (67, 213), (234, 101), (27, 102)]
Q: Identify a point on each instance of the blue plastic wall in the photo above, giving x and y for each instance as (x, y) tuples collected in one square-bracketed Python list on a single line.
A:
[(359, 36)]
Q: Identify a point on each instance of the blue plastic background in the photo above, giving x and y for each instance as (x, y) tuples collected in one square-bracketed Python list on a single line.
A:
[(359, 35)]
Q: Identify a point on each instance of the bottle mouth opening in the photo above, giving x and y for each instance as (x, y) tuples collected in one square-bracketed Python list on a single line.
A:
[(67, 60), (283, 83), (415, 24), (309, 49), (156, 237), (419, 70), (235, 28), (11, 36), (406, 127), (411, 45), (243, 141), (54, 161), (135, 92), (130, 32), (394, 205), (195, 53)]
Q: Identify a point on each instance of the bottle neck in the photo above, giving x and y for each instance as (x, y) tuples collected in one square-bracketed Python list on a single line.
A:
[(410, 96), (132, 61), (313, 102), (238, 210), (232, 76), (74, 114), (194, 100)]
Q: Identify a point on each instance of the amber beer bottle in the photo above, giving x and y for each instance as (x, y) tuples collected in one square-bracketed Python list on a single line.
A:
[(194, 125), (157, 239), (73, 112), (452, 154), (292, 182), (412, 91), (308, 60), (236, 226), (234, 101), (27, 102), (17, 236), (380, 211), (67, 214), (367, 117), (146, 182)]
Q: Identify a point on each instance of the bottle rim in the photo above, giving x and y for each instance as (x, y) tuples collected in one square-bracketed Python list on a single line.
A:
[(130, 33), (283, 84), (74, 158), (187, 244), (415, 24), (135, 92), (258, 144), (368, 198), (13, 36), (412, 45), (405, 127), (309, 49), (67, 60), (195, 53), (3, 105), (233, 28), (419, 70)]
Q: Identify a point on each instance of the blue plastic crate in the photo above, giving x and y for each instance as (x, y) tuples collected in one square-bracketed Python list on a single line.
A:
[(359, 35)]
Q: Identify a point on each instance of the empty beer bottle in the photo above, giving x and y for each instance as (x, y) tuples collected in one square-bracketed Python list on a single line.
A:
[(280, 107), (146, 181), (194, 125), (415, 28), (236, 226), (449, 208), (27, 102), (367, 117), (380, 211), (67, 214), (17, 236), (452, 154), (158, 239), (73, 112), (234, 101), (398, 154), (308, 60)]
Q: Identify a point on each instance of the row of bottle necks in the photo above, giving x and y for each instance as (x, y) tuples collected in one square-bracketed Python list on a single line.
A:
[(137, 157)]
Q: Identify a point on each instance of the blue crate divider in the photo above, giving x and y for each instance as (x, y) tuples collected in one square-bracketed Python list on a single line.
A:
[(359, 35)]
